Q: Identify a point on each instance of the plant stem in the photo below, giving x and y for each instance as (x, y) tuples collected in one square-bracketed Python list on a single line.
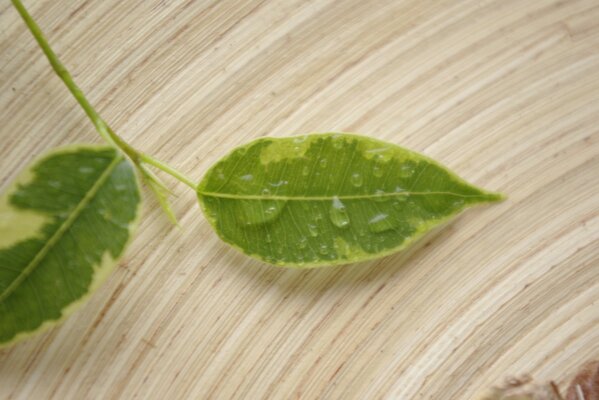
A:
[(101, 126), (64, 74), (148, 159)]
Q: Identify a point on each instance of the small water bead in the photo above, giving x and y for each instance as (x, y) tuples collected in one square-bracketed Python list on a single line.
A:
[(305, 171), (313, 230), (337, 142), (54, 184), (266, 192), (299, 139), (356, 179), (279, 183), (406, 170), (86, 170), (220, 174), (323, 249), (380, 223), (247, 177), (377, 171), (323, 162), (270, 210), (302, 243), (268, 238), (380, 196), (338, 213), (457, 203)]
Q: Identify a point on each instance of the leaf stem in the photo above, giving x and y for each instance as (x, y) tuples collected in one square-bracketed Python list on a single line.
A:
[(101, 126), (148, 159), (64, 74)]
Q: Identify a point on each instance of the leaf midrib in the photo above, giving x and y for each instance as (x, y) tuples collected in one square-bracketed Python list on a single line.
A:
[(489, 196), (61, 229)]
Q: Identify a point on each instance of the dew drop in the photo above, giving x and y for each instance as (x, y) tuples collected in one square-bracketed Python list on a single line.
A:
[(305, 171), (270, 210), (458, 203), (380, 196), (406, 170), (120, 187), (338, 213), (265, 192), (220, 174), (302, 243), (337, 142), (377, 171), (380, 223), (247, 177), (323, 249), (323, 162), (299, 139), (356, 179), (54, 184), (313, 230), (268, 238), (86, 170), (279, 183)]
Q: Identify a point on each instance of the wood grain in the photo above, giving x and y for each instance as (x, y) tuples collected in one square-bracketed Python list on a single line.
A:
[(504, 92)]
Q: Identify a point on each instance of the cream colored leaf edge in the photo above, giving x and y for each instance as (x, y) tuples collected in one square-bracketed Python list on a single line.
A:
[(103, 270)]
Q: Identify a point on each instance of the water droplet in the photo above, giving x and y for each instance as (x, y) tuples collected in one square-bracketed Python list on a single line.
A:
[(338, 213), (302, 243), (270, 210), (323, 249), (380, 195), (313, 229), (457, 203), (299, 139), (120, 187), (279, 183), (268, 238), (54, 184), (265, 192), (380, 223), (220, 174), (247, 177), (323, 162), (406, 169), (297, 149), (86, 170), (356, 179), (305, 171), (337, 142), (377, 171), (399, 189)]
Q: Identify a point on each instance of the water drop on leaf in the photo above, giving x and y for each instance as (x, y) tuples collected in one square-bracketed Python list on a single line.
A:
[(338, 213)]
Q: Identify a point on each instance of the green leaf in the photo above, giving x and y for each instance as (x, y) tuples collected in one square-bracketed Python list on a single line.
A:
[(64, 223), (326, 199)]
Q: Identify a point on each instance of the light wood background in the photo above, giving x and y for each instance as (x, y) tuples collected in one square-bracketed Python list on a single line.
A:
[(504, 92)]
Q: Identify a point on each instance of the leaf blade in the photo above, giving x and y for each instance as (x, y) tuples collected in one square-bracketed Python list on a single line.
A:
[(338, 198), (88, 200)]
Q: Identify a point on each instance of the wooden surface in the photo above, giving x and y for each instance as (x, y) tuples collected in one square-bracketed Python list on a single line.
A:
[(505, 92)]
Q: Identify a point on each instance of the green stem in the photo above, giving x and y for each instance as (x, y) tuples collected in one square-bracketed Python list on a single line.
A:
[(101, 126), (148, 159)]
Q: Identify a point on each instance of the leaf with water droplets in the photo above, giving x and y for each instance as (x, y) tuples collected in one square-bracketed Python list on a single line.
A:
[(326, 199), (64, 223)]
